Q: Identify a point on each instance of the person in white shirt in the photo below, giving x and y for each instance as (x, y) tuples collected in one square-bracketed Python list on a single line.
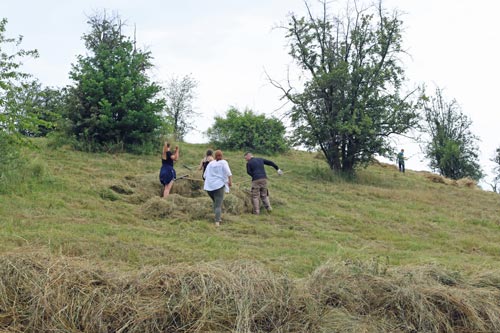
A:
[(218, 179)]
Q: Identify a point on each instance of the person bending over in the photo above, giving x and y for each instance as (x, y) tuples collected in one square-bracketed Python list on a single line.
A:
[(255, 168)]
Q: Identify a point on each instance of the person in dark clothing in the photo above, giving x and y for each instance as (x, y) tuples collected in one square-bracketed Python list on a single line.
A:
[(167, 171), (209, 157), (255, 168), (401, 160)]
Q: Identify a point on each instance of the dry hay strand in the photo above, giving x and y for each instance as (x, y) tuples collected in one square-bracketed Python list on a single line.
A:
[(188, 187), (177, 206), (245, 196), (340, 320), (199, 208), (435, 178), (240, 296), (233, 204), (463, 182), (43, 294), (411, 300), (486, 279), (139, 189), (467, 182), (157, 207)]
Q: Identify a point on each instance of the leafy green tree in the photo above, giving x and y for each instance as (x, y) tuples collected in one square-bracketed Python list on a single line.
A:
[(248, 131), (113, 102), (12, 84), (451, 148), (179, 95), (12, 116), (43, 107), (351, 102)]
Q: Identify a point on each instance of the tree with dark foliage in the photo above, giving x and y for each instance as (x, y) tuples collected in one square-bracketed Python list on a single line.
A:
[(352, 101), (115, 103)]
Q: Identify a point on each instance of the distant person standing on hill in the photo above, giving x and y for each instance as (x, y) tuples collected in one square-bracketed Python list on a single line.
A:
[(218, 179), (255, 168), (401, 160), (209, 157), (167, 171)]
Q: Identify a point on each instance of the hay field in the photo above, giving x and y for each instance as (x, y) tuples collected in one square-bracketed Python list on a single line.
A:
[(88, 245)]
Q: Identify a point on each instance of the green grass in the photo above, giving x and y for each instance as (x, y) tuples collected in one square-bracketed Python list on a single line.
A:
[(62, 203)]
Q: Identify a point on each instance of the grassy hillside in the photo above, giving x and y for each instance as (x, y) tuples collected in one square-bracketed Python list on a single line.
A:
[(72, 206), (104, 211)]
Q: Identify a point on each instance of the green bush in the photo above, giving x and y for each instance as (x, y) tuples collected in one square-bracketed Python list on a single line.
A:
[(249, 131)]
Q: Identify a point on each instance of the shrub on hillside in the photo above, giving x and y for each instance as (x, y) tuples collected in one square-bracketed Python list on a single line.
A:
[(249, 131)]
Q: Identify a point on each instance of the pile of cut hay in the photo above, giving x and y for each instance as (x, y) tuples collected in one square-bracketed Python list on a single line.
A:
[(417, 299), (47, 295), (187, 199)]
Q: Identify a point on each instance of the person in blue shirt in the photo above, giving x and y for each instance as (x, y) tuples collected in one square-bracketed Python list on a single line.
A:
[(167, 171), (255, 169)]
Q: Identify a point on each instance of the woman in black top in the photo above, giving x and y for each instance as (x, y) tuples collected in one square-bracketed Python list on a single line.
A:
[(209, 157), (167, 171)]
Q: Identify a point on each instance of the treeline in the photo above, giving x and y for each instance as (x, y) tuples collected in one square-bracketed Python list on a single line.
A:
[(352, 103)]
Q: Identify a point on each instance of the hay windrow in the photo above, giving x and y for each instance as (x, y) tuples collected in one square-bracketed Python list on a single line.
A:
[(423, 299), (463, 182), (177, 206), (46, 294), (187, 199), (43, 294)]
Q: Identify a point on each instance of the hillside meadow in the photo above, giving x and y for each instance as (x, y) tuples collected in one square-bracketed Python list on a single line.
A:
[(88, 245)]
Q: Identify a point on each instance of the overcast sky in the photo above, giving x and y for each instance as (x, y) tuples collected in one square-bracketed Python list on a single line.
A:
[(227, 45)]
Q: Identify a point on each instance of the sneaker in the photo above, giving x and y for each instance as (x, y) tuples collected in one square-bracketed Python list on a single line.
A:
[(269, 210), (217, 224)]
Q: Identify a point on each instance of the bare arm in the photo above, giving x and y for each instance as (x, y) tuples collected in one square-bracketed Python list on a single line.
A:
[(175, 155)]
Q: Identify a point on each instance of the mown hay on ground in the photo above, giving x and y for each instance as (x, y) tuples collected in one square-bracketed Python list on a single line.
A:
[(463, 182), (177, 206), (435, 178), (47, 295), (187, 197), (421, 299)]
